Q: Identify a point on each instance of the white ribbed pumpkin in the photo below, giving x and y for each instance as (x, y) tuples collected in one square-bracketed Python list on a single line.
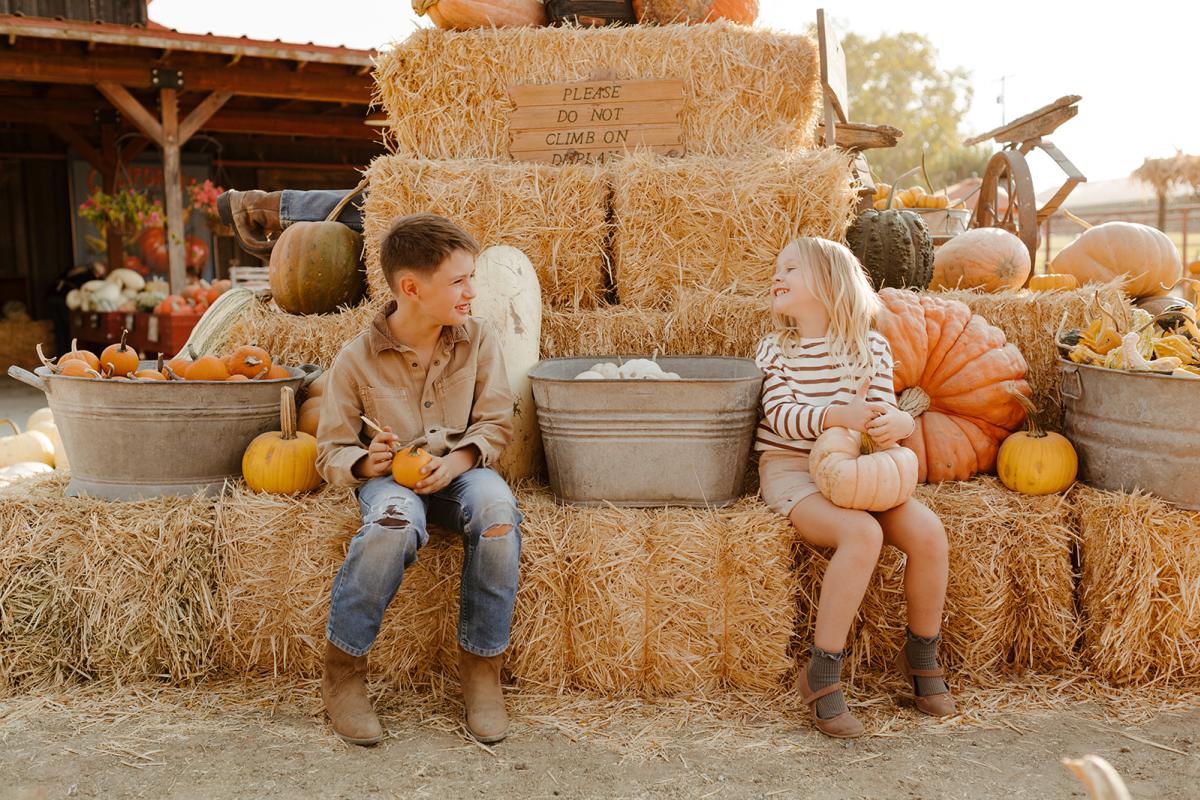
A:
[(851, 474)]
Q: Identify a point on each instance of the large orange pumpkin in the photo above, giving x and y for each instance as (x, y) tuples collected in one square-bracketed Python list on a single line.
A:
[(462, 15), (952, 373), (1145, 255), (664, 12)]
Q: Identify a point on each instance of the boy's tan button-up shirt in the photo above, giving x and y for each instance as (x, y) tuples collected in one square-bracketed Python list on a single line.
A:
[(462, 399)]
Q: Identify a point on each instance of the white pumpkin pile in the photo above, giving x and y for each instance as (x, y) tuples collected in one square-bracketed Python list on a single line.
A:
[(123, 290), (637, 369), (38, 450)]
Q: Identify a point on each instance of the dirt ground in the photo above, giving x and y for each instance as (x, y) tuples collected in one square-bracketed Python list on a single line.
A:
[(99, 743)]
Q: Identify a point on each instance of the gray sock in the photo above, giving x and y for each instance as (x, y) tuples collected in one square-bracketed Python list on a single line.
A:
[(922, 654), (825, 669)]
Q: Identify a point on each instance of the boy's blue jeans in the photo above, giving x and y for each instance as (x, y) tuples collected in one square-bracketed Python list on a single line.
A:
[(392, 532)]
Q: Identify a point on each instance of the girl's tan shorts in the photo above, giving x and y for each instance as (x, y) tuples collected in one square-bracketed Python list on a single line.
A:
[(784, 480)]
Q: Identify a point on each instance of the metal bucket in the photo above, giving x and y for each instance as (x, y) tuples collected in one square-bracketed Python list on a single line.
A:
[(648, 442), (131, 441), (1134, 430)]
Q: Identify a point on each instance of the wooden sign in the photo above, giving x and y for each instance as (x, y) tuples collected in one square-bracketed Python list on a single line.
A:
[(595, 121)]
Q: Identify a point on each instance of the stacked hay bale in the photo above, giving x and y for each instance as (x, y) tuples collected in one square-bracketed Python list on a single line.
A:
[(1140, 587), (615, 602)]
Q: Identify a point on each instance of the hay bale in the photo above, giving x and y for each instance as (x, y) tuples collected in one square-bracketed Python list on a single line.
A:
[(279, 556), (1140, 589), (656, 602), (697, 323), (19, 340), (702, 222), (446, 93), (300, 338), (127, 590), (1010, 599), (556, 215), (1029, 320)]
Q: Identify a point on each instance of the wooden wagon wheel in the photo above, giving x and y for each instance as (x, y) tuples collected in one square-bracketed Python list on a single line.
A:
[(1009, 170)]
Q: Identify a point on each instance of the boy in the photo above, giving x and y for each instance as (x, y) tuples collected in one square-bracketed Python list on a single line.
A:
[(427, 372)]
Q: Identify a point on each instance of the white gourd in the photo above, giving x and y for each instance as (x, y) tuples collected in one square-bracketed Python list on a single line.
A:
[(27, 446), (589, 375)]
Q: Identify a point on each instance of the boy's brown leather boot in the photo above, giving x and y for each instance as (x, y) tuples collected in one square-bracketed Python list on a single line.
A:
[(254, 217), (344, 690), (483, 699)]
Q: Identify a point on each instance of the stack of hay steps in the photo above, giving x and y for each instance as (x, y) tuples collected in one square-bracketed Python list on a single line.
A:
[(633, 255)]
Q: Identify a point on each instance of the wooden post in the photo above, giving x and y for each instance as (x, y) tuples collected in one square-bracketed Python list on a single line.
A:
[(1185, 233), (172, 190), (1048, 221)]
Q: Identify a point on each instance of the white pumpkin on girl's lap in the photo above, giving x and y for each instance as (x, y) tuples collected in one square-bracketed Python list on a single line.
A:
[(850, 472)]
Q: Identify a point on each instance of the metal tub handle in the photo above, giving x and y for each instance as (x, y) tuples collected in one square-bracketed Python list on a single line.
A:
[(311, 373), (27, 377), (1067, 374)]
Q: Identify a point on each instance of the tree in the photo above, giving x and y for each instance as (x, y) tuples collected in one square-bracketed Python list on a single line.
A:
[(1164, 174), (895, 80)]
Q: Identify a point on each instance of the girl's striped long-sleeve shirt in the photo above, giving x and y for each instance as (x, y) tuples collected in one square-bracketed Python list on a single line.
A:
[(799, 389)]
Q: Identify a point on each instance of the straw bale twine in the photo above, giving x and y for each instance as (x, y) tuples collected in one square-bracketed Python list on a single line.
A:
[(557, 216), (300, 338), (703, 222), (101, 589), (1010, 599), (446, 93), (1140, 589), (1029, 320)]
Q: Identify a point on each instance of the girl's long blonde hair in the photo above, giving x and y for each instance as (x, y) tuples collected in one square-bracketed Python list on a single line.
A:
[(838, 279)]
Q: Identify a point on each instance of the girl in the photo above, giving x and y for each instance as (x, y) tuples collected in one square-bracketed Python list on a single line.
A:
[(825, 367)]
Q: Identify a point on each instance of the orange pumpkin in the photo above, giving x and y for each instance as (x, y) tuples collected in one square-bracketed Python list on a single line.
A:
[(276, 372), (310, 415), (77, 368), (149, 375), (217, 289), (119, 359), (406, 466), (952, 374), (1145, 256), (461, 15), (207, 368), (91, 359), (248, 360), (991, 259), (317, 387), (664, 12), (177, 365)]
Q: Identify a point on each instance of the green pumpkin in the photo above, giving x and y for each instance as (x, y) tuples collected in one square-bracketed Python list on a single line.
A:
[(315, 267), (894, 247)]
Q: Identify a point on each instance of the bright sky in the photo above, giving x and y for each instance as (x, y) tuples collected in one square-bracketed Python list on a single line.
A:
[(1134, 64)]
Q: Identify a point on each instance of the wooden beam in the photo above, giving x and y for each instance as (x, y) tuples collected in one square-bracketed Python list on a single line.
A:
[(253, 81), (132, 150), (202, 114), (172, 190), (134, 111), (86, 149)]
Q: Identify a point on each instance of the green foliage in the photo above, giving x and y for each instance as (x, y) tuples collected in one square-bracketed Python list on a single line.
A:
[(896, 80)]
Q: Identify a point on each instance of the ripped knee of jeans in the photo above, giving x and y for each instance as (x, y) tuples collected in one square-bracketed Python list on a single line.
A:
[(497, 530), (393, 516)]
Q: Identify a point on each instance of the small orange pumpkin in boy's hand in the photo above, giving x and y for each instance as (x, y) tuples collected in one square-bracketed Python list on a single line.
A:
[(406, 466)]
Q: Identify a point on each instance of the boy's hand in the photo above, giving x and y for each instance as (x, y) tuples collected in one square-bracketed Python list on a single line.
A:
[(442, 470), (890, 427), (858, 414), (378, 460)]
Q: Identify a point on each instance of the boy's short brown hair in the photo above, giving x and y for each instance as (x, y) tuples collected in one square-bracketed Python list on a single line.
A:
[(421, 242)]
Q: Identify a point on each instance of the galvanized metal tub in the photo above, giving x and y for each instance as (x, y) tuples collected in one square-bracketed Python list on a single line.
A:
[(132, 441), (648, 442), (1134, 430)]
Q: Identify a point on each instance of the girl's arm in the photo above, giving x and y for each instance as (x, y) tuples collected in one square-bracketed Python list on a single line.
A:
[(882, 386), (894, 425), (784, 414)]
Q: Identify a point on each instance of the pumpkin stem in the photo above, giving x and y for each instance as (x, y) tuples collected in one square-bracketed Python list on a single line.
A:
[(10, 424), (171, 374), (914, 400), (895, 183), (124, 335), (74, 344), (362, 185), (287, 412), (48, 363), (867, 445), (1083, 223), (159, 365), (1030, 410)]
